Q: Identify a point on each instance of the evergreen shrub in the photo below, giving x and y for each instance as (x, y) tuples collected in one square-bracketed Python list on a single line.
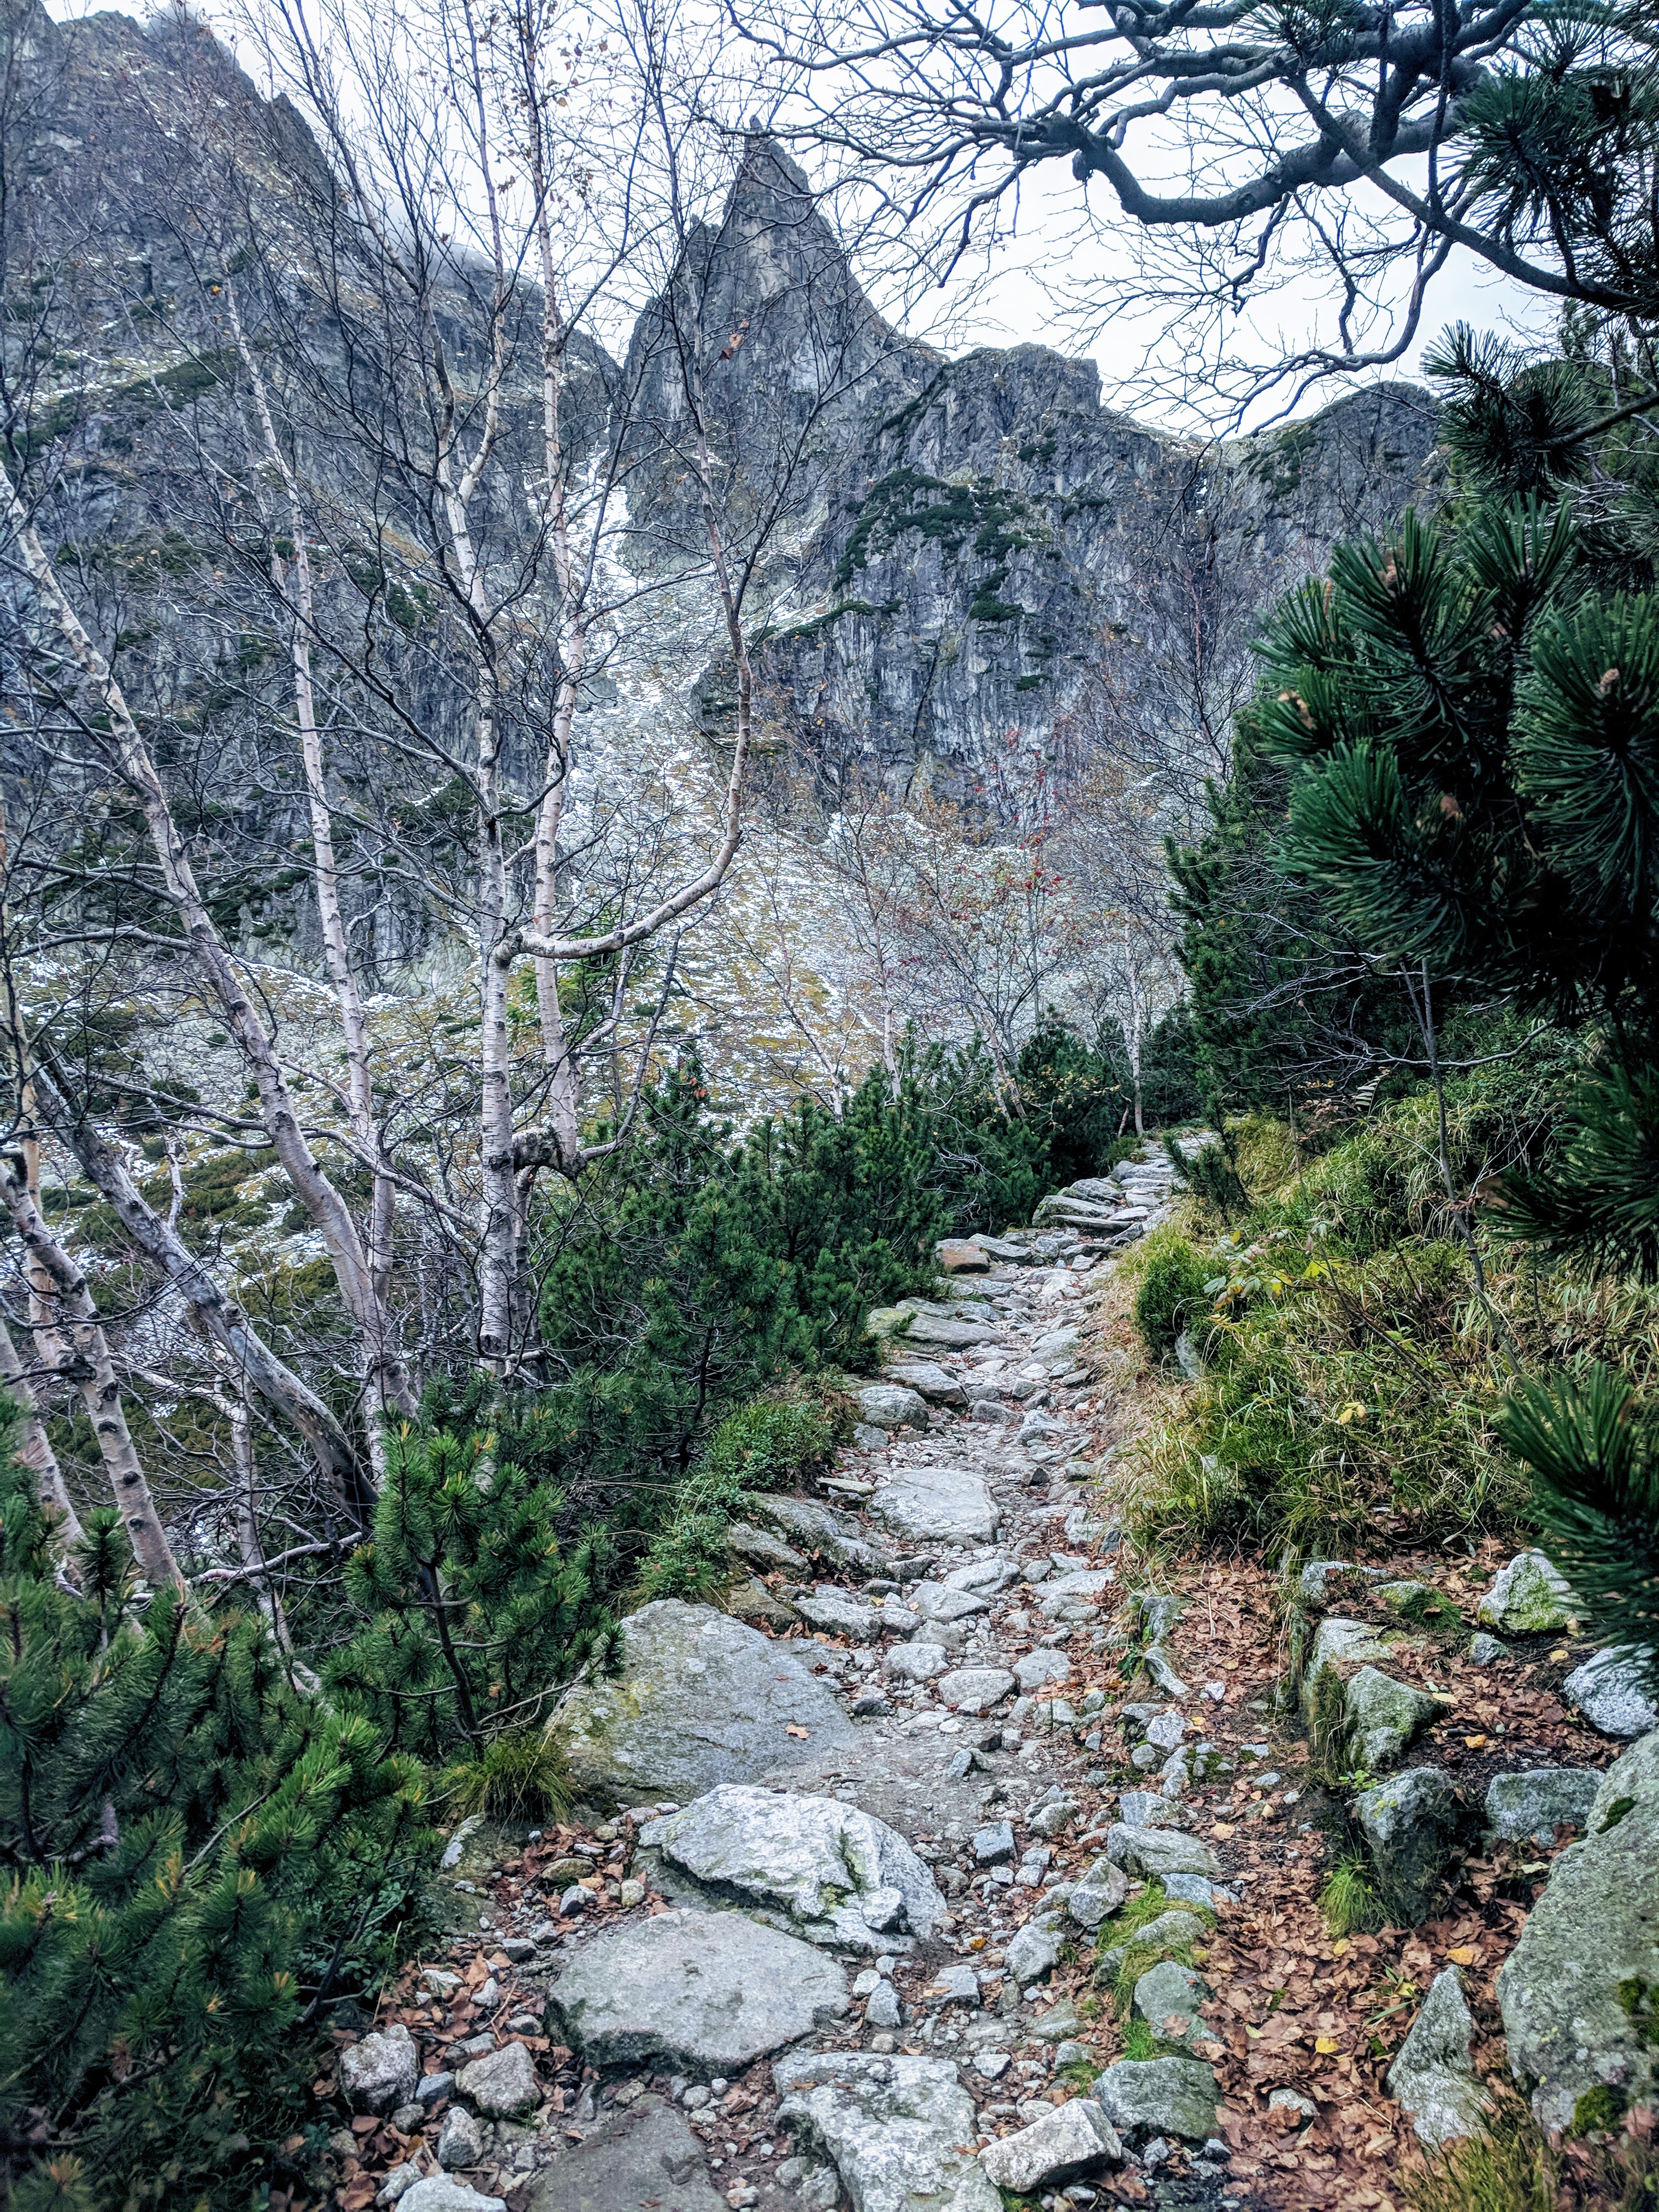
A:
[(198, 1854), (1171, 1297)]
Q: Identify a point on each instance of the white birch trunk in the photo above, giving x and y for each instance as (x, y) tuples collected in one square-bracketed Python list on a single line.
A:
[(91, 1369)]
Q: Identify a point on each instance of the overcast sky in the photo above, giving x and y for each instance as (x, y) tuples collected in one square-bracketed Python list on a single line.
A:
[(1041, 285)]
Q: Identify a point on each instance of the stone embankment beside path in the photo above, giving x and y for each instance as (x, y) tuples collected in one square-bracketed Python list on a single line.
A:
[(963, 1870)]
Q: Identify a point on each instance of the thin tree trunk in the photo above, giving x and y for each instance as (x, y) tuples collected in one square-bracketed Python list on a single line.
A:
[(226, 1324), (35, 1451), (299, 601), (93, 1371), (312, 1186)]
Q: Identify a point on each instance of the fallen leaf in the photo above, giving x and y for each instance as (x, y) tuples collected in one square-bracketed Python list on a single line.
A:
[(1464, 1955), (1326, 2044), (1475, 1743), (1222, 1830), (793, 1731)]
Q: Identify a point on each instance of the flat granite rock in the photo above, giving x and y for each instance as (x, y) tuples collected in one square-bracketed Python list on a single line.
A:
[(1143, 2097), (1433, 2076), (947, 1331), (1086, 1586), (936, 1504), (928, 1380), (645, 2159), (699, 1992), (1045, 1664), (975, 1689), (905, 1778), (900, 2131), (807, 1855), (442, 2192), (1154, 1851), (838, 1614), (1536, 1802), (1611, 1692), (700, 1700)]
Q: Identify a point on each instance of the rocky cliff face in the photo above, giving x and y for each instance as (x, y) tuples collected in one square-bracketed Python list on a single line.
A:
[(976, 537), (987, 529)]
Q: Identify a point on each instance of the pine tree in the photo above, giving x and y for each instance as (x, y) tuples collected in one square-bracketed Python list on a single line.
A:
[(471, 1613), (194, 1854), (1468, 717)]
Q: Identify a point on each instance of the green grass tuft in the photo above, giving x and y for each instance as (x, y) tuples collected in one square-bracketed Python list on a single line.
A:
[(1512, 2167), (514, 1779), (1349, 1900)]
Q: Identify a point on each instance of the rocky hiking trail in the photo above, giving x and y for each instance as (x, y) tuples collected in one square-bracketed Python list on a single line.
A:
[(965, 1861)]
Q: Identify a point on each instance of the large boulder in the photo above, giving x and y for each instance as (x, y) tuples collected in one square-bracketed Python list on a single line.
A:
[(1580, 1992), (1433, 2076), (891, 1405), (1144, 2097), (1528, 1598), (1382, 1716), (936, 1504), (1410, 1824), (928, 1380), (1612, 1692), (699, 1700), (1536, 1803), (947, 1331), (807, 1855), (697, 1992), (899, 2130), (642, 2158)]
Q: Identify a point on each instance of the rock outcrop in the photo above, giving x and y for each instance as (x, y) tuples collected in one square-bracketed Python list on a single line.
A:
[(1433, 2076), (1580, 1992), (699, 1700), (707, 1992), (836, 1871)]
